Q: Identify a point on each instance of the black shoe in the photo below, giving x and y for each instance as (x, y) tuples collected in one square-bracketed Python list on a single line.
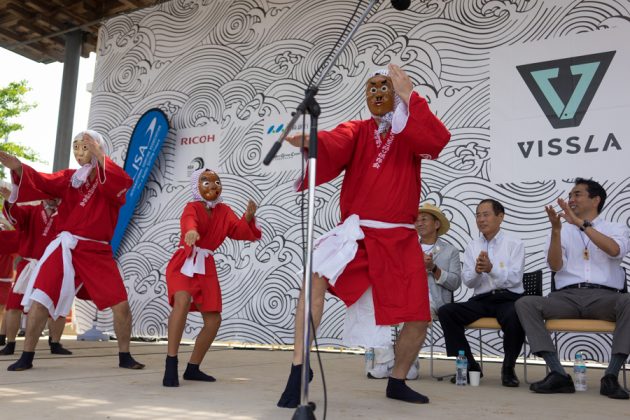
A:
[(509, 378), (610, 387), (290, 397), (554, 383), (58, 348), (397, 389)]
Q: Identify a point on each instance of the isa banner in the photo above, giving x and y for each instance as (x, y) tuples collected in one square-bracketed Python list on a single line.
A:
[(559, 108), (145, 145)]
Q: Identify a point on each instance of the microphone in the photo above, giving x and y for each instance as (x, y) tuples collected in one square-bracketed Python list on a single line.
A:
[(401, 4)]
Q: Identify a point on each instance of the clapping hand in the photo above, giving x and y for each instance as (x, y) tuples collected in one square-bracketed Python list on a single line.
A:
[(428, 261), (554, 218), (483, 264)]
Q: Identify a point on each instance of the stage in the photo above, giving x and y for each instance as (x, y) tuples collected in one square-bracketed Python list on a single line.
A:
[(89, 384)]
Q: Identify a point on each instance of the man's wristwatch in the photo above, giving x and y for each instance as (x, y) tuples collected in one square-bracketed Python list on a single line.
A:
[(585, 225)]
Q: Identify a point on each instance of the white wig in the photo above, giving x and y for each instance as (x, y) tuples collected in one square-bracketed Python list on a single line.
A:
[(81, 174)]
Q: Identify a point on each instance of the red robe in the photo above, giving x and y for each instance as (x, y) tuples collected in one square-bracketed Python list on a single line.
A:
[(90, 211), (36, 229), (9, 241), (389, 260), (213, 229)]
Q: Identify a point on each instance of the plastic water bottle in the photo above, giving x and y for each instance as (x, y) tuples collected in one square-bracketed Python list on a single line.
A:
[(461, 369), (579, 372), (369, 359)]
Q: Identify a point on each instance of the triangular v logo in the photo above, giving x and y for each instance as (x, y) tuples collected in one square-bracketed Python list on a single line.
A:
[(565, 88)]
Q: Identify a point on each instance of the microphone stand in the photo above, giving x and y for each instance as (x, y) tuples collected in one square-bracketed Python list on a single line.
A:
[(310, 106)]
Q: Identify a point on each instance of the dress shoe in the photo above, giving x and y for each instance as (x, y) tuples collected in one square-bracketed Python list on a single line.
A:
[(554, 383), (508, 378), (610, 387)]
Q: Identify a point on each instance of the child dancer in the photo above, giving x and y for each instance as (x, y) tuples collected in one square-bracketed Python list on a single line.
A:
[(191, 275)]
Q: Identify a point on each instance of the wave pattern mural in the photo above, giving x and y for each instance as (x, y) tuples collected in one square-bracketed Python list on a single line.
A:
[(236, 62)]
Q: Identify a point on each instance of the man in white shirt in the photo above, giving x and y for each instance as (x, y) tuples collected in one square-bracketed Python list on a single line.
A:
[(586, 254), (493, 267)]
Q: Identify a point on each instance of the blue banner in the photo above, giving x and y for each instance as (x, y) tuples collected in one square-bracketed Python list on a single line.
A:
[(145, 145)]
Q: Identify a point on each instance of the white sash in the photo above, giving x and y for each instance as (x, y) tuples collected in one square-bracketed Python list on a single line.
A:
[(196, 262), (68, 242), (331, 254), (22, 281), (335, 249)]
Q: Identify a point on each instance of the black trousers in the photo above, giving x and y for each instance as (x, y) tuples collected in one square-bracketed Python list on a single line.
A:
[(455, 316)]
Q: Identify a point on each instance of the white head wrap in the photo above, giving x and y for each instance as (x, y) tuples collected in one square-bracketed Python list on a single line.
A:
[(80, 175), (386, 120), (194, 187)]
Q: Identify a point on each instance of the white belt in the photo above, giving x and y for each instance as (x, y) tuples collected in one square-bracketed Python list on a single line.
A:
[(68, 242), (335, 249), (22, 281), (196, 262), (6, 280)]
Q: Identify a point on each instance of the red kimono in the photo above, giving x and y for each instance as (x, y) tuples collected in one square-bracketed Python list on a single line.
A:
[(36, 229), (9, 240), (87, 214), (213, 229), (383, 184)]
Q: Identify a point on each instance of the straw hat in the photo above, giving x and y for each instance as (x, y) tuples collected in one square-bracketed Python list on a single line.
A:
[(434, 211)]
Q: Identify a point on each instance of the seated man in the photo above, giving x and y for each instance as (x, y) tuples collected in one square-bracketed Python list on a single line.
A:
[(441, 260), (493, 267), (586, 255)]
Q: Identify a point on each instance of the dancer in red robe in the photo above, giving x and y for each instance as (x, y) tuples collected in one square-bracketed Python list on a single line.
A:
[(372, 260), (8, 249), (191, 275), (36, 226), (80, 260)]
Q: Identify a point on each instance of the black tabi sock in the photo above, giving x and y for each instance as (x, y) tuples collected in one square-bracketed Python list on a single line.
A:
[(193, 373), (126, 361), (8, 349), (57, 348), (397, 389), (171, 377), (3, 339), (616, 361), (552, 360), (24, 362), (290, 398)]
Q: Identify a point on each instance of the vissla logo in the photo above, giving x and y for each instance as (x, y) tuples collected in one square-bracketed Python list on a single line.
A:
[(565, 88)]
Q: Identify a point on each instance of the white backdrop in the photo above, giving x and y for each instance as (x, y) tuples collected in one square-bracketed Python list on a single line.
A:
[(232, 68)]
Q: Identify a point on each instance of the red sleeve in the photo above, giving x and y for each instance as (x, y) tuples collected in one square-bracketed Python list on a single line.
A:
[(33, 185), (9, 242), (19, 216), (424, 131), (334, 152), (113, 181), (241, 229)]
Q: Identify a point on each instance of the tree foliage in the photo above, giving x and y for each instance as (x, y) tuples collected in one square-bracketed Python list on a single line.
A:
[(12, 104)]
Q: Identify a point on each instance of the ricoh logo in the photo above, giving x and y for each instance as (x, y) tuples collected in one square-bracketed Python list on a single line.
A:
[(564, 90), (206, 138)]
